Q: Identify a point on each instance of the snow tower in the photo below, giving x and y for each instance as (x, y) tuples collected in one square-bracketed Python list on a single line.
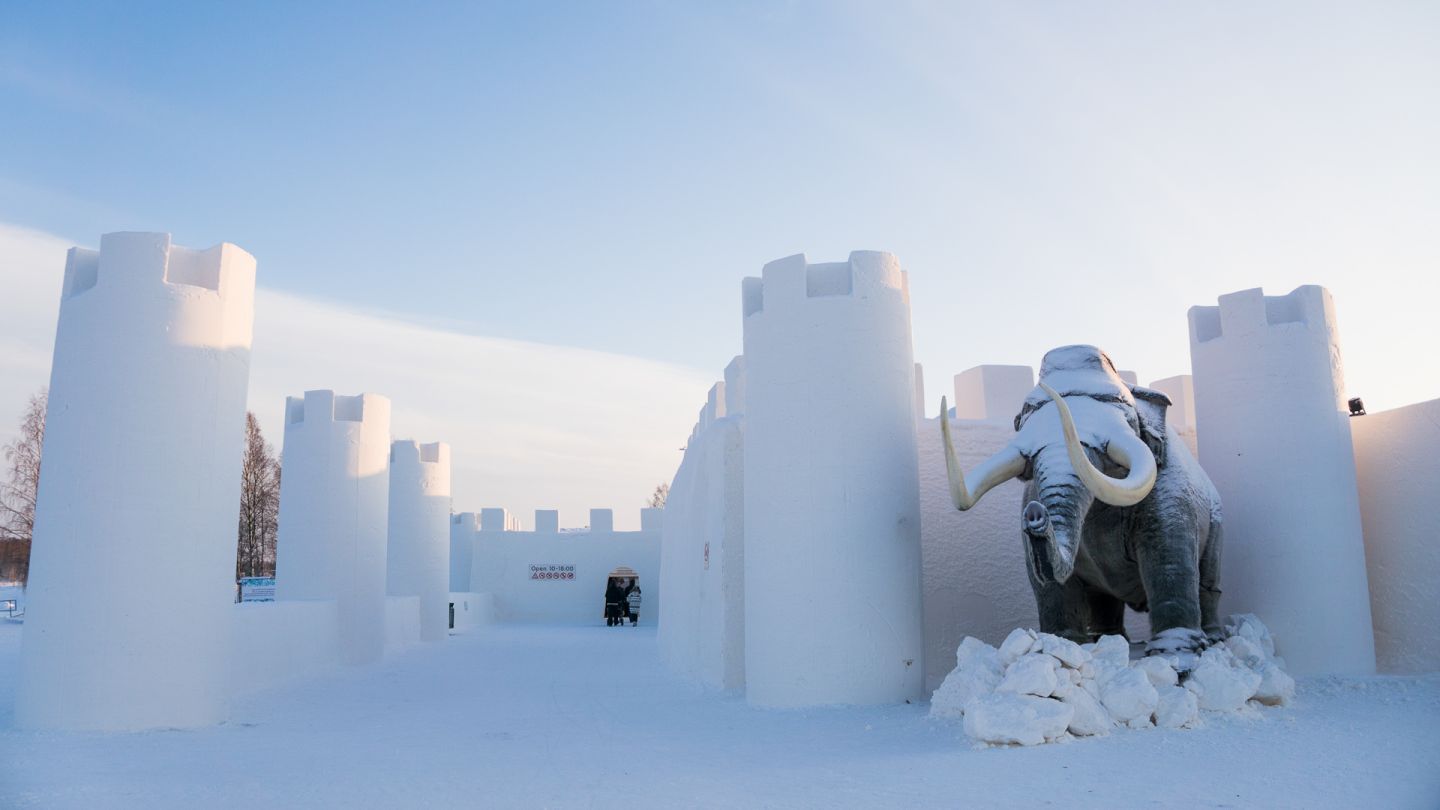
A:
[(132, 582), (1274, 435), (832, 511)]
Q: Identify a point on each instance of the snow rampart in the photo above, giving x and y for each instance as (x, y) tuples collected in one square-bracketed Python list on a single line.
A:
[(418, 544), (132, 577), (558, 575), (334, 498), (1274, 433), (472, 610), (832, 517), (702, 567), (1397, 457), (276, 643)]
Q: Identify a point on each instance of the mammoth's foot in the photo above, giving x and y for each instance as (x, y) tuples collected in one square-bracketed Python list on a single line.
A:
[(1177, 641)]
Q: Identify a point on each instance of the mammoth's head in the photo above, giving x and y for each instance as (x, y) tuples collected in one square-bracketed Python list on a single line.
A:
[(1080, 424)]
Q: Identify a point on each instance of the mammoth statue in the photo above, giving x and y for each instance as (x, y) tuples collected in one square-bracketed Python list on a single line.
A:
[(1118, 511)]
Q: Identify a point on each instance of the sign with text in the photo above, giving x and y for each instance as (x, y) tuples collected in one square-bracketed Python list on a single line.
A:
[(257, 589), (552, 572)]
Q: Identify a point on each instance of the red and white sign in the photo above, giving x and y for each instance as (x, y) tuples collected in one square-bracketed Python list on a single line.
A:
[(552, 572)]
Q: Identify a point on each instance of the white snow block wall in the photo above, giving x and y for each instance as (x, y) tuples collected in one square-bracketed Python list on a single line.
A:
[(1397, 458), (560, 576), (418, 546), (276, 643), (992, 392), (975, 581), (463, 527), (1274, 435), (832, 512), (702, 560), (334, 496), (133, 575)]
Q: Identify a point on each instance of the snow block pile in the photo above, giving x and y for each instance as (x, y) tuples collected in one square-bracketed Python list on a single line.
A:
[(1038, 688)]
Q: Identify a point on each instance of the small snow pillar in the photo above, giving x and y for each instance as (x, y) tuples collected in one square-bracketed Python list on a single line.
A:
[(992, 392), (496, 519), (547, 520), (832, 526), (132, 581), (1181, 390), (652, 519), (1274, 435), (463, 527), (602, 520), (418, 551), (334, 500)]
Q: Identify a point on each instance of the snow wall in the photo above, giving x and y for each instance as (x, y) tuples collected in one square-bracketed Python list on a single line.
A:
[(1274, 434), (132, 578), (1397, 456), (418, 545), (472, 610), (277, 643), (462, 549), (702, 562), (560, 576), (832, 512), (334, 498)]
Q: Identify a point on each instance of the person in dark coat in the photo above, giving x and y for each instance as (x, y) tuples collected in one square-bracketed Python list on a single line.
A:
[(614, 602)]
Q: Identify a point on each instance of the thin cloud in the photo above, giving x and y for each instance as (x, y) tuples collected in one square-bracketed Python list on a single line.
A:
[(532, 426)]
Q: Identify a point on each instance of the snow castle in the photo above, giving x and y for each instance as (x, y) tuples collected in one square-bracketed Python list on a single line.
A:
[(132, 577), (1323, 537), (809, 552)]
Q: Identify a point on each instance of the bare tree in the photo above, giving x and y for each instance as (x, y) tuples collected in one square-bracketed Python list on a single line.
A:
[(659, 496), (259, 504), (17, 492)]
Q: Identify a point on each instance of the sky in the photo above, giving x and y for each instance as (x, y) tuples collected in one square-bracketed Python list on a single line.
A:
[(592, 180)]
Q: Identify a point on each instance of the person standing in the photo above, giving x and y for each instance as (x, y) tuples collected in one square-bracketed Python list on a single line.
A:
[(632, 600), (614, 603)]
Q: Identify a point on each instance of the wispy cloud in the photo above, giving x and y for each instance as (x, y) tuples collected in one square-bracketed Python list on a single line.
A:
[(532, 426)]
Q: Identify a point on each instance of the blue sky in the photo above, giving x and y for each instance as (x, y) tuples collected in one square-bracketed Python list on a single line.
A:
[(601, 175)]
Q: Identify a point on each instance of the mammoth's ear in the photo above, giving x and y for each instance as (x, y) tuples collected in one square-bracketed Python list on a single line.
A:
[(1025, 411), (1150, 405)]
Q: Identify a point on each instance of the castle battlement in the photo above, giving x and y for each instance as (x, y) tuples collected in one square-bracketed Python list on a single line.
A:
[(992, 392), (1251, 312), (409, 450), (784, 283), (327, 406), (126, 259)]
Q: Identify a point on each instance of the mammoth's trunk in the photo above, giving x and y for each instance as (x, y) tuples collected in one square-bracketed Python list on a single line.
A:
[(1055, 520)]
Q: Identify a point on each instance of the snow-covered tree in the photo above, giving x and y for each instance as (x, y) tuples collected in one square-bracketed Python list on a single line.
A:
[(18, 490)]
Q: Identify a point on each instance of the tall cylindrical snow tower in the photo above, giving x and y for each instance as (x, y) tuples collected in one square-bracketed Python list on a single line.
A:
[(1274, 435), (132, 580), (334, 497), (832, 504), (419, 537)]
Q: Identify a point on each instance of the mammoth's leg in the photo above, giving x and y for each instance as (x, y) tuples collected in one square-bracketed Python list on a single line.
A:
[(1107, 615), (1210, 583), (1062, 606), (1170, 571)]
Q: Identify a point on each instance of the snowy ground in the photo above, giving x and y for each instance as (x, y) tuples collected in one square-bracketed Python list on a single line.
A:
[(564, 717)]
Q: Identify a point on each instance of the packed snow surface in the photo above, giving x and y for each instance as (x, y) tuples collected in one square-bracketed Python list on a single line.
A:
[(1036, 687), (537, 716)]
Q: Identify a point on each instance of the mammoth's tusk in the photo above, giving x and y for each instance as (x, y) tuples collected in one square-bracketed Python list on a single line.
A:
[(966, 491), (1128, 451)]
